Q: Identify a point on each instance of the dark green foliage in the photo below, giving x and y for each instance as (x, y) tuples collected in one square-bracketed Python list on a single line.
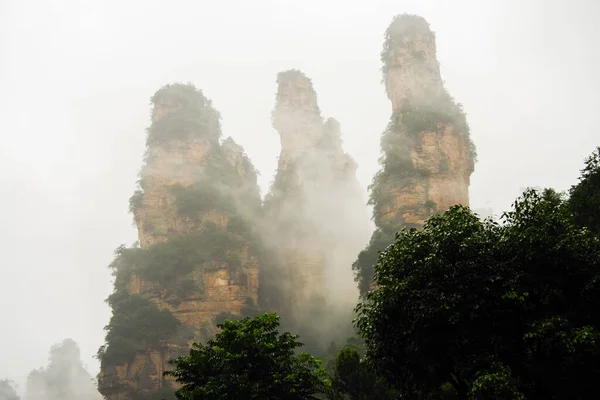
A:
[(430, 205), (585, 196), (136, 325), (196, 200), (354, 380), (135, 201), (496, 311), (164, 393), (249, 359), (186, 114), (184, 254), (414, 120), (363, 266), (7, 390), (170, 264), (126, 261)]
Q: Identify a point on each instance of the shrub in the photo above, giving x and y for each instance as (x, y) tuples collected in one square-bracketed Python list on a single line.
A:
[(187, 113), (136, 200), (136, 324)]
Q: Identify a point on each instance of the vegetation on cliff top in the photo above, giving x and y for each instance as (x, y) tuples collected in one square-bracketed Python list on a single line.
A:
[(398, 171), (400, 138), (181, 112), (585, 196), (136, 325), (223, 186)]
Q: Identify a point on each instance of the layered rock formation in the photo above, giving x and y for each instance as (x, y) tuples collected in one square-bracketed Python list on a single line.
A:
[(64, 378), (427, 154), (315, 206), (197, 254)]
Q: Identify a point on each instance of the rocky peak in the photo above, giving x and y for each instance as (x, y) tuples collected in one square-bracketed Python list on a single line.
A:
[(296, 116), (427, 153), (197, 257), (303, 206), (410, 67)]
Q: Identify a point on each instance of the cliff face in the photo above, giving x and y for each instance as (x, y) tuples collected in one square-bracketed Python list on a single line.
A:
[(427, 154), (197, 255), (315, 205)]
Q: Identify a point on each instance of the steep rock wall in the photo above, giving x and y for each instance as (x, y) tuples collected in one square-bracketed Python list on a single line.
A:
[(197, 255), (427, 154), (315, 206)]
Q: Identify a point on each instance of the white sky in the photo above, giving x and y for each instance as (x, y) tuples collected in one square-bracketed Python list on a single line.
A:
[(75, 82)]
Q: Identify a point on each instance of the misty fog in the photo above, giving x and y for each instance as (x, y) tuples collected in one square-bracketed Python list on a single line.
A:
[(76, 78)]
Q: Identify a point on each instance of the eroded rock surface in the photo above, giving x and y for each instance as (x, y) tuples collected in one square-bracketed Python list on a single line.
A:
[(196, 258), (427, 154), (315, 206)]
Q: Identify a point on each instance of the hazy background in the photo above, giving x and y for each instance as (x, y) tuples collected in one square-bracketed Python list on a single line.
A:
[(75, 82)]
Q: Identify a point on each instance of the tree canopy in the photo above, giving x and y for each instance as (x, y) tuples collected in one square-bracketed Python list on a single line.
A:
[(353, 379), (495, 310), (249, 359), (585, 196)]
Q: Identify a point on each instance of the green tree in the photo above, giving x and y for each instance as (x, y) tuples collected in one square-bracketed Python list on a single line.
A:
[(503, 311), (249, 359), (585, 196), (354, 380)]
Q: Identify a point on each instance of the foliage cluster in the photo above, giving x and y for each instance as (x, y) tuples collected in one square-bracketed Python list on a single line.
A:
[(367, 258), (135, 201), (199, 198), (352, 378), (136, 325), (496, 311), (164, 393), (185, 113), (250, 359), (585, 196), (177, 265)]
